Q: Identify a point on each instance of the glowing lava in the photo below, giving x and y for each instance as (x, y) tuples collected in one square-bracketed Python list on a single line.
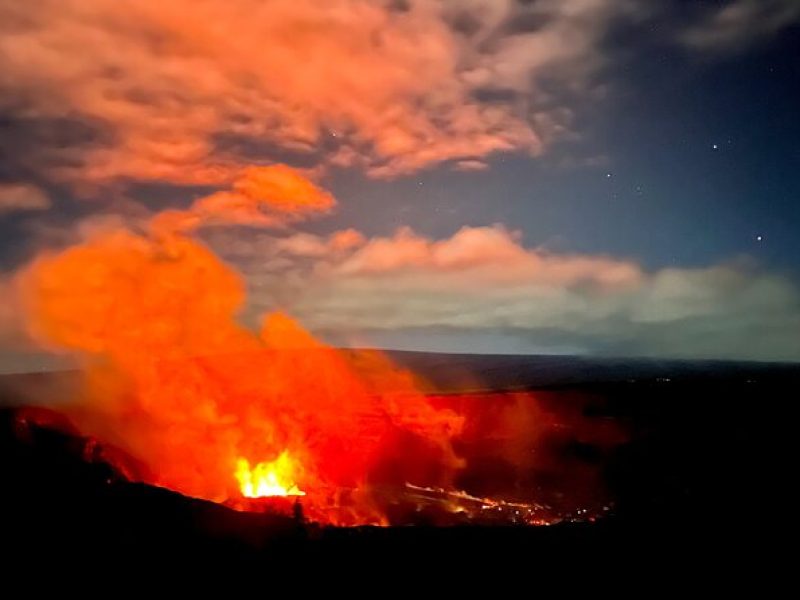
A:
[(274, 478), (172, 377)]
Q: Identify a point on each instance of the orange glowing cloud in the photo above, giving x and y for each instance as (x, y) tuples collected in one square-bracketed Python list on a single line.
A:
[(260, 197), (188, 92)]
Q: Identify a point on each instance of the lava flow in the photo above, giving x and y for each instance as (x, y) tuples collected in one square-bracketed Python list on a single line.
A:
[(266, 479)]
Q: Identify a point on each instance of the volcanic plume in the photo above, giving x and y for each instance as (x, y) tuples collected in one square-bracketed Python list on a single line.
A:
[(213, 409)]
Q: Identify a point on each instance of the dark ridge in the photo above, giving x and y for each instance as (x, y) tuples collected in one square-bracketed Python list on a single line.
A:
[(454, 372), (458, 372)]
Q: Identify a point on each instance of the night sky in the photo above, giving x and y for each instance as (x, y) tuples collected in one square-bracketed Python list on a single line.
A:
[(698, 156), (603, 177)]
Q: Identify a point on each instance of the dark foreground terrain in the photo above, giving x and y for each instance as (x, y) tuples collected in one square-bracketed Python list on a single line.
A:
[(699, 484)]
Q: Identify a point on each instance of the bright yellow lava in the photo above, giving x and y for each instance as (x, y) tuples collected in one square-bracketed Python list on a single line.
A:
[(274, 478)]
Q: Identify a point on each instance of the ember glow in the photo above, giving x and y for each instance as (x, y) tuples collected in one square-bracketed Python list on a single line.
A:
[(274, 478)]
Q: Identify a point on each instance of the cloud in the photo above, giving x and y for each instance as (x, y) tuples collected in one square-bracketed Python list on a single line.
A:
[(22, 197), (220, 93), (739, 24), (313, 246), (483, 285), (483, 290), (188, 92), (471, 165), (269, 196), (480, 251)]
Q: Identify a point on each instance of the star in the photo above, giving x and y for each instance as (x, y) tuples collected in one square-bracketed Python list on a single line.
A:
[(715, 146), (759, 238), (608, 175)]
